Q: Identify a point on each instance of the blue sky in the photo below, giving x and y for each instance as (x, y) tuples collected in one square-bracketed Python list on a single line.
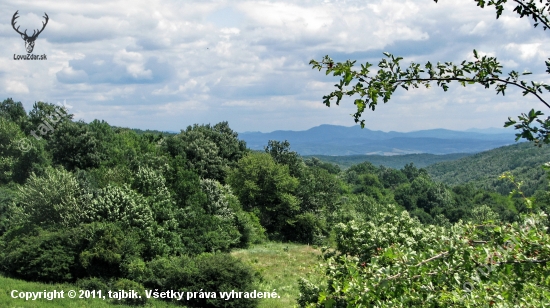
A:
[(169, 64)]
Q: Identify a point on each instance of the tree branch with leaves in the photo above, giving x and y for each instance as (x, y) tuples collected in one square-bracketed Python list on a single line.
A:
[(372, 86)]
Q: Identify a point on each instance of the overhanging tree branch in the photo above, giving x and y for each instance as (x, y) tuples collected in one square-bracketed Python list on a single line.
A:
[(372, 86), (526, 89)]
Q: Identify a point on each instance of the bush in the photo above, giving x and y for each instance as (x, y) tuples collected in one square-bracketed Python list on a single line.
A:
[(250, 228), (266, 189), (93, 283), (222, 203), (96, 250), (128, 286), (107, 247), (222, 273), (8, 210), (34, 254), (207, 273), (309, 228)]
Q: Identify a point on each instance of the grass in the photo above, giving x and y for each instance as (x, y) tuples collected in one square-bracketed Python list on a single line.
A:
[(281, 265), (9, 284)]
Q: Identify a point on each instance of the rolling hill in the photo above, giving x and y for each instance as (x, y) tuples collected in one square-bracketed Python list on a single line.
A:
[(483, 169), (342, 140)]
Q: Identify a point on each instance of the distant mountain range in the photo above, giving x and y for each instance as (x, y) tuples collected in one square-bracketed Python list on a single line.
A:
[(341, 140)]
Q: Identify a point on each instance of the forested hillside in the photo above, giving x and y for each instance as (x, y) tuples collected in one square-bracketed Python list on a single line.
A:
[(483, 169), (390, 161), (110, 208)]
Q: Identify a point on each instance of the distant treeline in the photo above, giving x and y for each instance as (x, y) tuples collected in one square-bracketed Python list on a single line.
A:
[(393, 161)]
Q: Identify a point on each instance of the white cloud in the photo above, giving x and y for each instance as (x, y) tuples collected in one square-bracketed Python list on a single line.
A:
[(526, 51), (173, 63), (15, 87)]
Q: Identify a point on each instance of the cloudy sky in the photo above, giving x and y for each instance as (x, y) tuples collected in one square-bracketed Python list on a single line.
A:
[(165, 64)]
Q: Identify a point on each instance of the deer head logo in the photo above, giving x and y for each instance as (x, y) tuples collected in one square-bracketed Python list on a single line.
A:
[(29, 40)]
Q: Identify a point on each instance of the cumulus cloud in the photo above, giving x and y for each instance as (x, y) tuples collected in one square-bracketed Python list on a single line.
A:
[(168, 64)]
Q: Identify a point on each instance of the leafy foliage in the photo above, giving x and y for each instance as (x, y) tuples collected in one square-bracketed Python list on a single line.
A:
[(266, 189), (75, 145), (205, 272), (14, 112), (133, 210), (395, 261), (281, 153), (53, 199), (208, 150), (96, 250)]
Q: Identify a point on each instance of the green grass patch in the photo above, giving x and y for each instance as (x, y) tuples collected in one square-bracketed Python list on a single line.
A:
[(281, 265), (9, 284)]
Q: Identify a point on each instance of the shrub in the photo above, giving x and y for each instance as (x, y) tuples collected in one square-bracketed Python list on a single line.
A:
[(8, 210), (92, 283), (222, 273), (208, 273), (32, 253), (96, 250), (250, 228), (128, 286), (107, 247), (308, 228)]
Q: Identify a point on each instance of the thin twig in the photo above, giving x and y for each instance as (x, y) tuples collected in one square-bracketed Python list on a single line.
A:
[(469, 80)]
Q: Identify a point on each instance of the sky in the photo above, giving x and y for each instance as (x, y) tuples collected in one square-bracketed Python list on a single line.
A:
[(165, 65)]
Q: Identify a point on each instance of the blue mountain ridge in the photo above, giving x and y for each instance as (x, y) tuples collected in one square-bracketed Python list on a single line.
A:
[(341, 140)]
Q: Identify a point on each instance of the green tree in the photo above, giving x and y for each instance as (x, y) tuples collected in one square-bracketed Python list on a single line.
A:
[(373, 86), (8, 209), (44, 118), (411, 172), (209, 150), (370, 185), (316, 162), (53, 199), (123, 205), (76, 145), (391, 178), (267, 189), (14, 111), (19, 155), (281, 153), (483, 214), (10, 149)]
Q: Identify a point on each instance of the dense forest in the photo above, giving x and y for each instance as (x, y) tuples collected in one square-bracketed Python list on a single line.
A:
[(106, 207), (483, 169)]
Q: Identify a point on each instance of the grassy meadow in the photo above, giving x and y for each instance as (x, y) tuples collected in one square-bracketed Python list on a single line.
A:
[(280, 264)]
